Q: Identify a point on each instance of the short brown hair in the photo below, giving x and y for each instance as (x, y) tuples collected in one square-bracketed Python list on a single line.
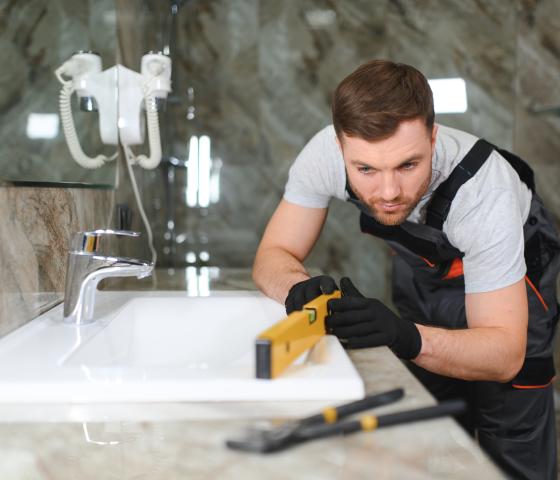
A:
[(372, 101)]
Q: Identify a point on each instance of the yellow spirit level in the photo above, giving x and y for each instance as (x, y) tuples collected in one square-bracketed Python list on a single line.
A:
[(278, 346)]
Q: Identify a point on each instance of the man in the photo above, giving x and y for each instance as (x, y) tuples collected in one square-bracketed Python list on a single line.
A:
[(476, 261)]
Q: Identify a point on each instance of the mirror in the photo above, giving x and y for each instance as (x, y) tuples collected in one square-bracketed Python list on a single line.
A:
[(36, 38)]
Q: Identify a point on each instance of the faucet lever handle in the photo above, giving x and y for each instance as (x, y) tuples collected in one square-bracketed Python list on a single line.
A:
[(90, 241)]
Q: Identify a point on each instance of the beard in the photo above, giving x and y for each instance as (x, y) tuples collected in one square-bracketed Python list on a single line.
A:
[(407, 205)]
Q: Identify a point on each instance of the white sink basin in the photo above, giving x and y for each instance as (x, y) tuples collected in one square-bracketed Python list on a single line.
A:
[(165, 346)]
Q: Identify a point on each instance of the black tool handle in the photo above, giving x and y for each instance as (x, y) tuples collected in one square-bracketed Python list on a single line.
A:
[(370, 401), (450, 407)]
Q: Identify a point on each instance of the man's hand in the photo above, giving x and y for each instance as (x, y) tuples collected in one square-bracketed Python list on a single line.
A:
[(361, 322), (303, 292)]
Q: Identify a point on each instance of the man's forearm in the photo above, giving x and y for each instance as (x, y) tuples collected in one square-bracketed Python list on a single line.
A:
[(483, 353), (275, 271)]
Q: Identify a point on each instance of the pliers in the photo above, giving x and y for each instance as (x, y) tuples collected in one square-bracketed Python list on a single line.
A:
[(327, 423)]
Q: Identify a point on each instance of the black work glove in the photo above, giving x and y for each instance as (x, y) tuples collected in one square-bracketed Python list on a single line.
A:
[(361, 322), (307, 290)]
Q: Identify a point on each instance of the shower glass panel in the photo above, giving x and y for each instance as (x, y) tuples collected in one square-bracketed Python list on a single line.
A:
[(36, 38), (252, 83)]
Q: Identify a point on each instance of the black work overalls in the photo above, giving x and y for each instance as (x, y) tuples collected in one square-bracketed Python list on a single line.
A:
[(514, 421)]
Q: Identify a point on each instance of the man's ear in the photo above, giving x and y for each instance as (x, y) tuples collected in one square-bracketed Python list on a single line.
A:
[(338, 142), (434, 134)]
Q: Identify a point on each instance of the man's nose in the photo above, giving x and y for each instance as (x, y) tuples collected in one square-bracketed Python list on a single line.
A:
[(389, 188)]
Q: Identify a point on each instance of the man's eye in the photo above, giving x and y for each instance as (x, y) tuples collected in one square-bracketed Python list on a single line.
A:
[(365, 169), (408, 166)]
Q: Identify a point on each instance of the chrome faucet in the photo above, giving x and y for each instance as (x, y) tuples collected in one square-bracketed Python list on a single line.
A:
[(88, 264)]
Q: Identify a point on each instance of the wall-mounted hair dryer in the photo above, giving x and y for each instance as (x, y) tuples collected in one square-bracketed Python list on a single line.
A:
[(120, 95)]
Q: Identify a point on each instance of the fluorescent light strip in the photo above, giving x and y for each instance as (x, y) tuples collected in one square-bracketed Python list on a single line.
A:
[(204, 171), (192, 172), (192, 281), (204, 282), (42, 125), (450, 95)]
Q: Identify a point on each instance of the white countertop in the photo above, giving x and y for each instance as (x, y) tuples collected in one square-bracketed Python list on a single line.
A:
[(186, 440)]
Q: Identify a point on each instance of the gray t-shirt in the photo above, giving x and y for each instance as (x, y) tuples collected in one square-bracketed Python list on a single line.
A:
[(486, 218)]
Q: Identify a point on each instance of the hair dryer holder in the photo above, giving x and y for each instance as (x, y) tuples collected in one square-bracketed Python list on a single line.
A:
[(121, 95)]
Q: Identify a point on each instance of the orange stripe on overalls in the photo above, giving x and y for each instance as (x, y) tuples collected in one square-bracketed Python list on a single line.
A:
[(455, 270), (430, 264), (537, 293)]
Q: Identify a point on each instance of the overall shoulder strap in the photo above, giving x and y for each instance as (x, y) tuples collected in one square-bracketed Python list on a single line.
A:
[(440, 203), (524, 171)]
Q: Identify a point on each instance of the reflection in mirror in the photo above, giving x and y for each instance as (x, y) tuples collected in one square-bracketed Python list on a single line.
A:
[(36, 38)]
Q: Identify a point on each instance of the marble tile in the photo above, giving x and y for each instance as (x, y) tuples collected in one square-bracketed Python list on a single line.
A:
[(36, 225), (470, 40), (537, 128), (195, 450), (186, 440), (263, 72), (36, 37), (305, 50), (264, 59)]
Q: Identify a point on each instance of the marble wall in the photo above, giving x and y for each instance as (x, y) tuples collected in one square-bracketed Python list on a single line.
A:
[(257, 76), (536, 129), (35, 227), (36, 37)]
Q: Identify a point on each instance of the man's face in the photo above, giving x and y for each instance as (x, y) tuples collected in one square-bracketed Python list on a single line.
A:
[(391, 176)]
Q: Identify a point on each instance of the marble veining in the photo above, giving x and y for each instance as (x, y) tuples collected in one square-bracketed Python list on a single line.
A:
[(36, 37), (34, 232), (261, 74), (186, 440)]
